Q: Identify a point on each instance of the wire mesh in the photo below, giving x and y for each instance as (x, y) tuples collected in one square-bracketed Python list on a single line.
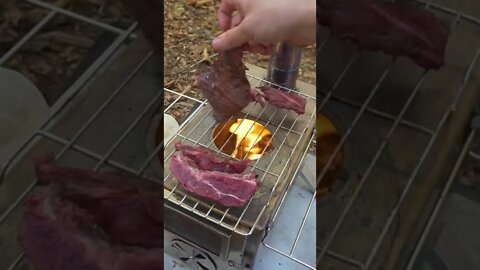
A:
[(229, 218), (326, 248)]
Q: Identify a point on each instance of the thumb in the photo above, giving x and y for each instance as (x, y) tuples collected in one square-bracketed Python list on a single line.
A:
[(233, 38)]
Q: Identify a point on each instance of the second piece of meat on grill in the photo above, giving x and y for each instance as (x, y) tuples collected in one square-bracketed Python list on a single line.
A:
[(399, 29), (223, 183), (286, 100)]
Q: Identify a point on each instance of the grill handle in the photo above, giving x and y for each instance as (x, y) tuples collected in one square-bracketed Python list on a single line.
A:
[(284, 65)]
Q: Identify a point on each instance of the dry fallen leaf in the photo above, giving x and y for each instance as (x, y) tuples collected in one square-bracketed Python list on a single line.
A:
[(41, 68), (187, 88), (198, 3), (205, 56), (78, 41), (179, 10)]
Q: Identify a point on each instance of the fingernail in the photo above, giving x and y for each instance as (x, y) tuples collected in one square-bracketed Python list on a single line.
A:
[(216, 42)]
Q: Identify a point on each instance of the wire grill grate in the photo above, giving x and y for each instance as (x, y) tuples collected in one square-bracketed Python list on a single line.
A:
[(326, 248), (283, 125)]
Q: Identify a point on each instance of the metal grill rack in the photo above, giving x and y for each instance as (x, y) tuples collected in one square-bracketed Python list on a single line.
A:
[(429, 129), (232, 219)]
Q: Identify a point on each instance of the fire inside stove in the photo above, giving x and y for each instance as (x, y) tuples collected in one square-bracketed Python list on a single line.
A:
[(243, 139), (328, 138)]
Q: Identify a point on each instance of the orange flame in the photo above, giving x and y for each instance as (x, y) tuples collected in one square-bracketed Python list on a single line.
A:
[(251, 139)]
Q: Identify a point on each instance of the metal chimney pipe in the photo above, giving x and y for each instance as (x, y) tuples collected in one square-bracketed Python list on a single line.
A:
[(284, 65)]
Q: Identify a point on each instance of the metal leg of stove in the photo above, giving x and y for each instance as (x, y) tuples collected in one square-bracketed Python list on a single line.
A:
[(307, 174), (251, 250)]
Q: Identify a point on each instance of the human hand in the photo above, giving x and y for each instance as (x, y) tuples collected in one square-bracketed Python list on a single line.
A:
[(263, 23), (250, 46)]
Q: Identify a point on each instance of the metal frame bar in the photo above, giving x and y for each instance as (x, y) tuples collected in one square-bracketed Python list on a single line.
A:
[(77, 16), (441, 199), (27, 37)]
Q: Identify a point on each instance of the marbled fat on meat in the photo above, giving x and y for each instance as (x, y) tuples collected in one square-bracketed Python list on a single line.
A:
[(229, 189), (286, 100), (205, 159)]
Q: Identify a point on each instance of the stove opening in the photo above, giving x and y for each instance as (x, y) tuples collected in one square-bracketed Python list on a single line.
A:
[(243, 138), (328, 137)]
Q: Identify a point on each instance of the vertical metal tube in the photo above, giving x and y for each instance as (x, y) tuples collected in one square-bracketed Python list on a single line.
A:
[(284, 65)]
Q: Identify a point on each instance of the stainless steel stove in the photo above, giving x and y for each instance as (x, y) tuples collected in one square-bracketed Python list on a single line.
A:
[(231, 236)]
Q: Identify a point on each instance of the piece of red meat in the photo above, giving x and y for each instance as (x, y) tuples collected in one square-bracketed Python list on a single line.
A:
[(229, 189), (108, 220), (225, 85), (399, 29), (286, 100), (207, 160), (109, 197), (57, 235)]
